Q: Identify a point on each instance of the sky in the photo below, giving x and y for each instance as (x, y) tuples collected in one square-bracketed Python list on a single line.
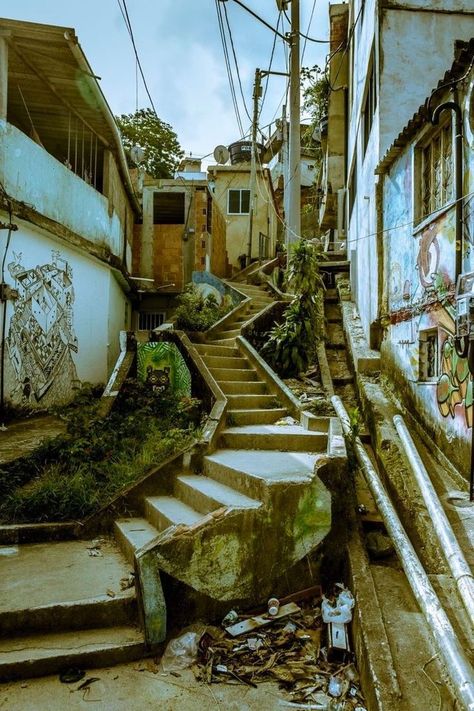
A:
[(182, 57)]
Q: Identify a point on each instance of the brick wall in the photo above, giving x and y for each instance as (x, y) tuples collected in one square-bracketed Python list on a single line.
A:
[(168, 255)]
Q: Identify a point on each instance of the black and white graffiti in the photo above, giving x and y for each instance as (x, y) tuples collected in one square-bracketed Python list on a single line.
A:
[(41, 336)]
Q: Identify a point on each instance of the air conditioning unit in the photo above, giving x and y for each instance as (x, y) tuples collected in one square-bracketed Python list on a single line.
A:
[(341, 211)]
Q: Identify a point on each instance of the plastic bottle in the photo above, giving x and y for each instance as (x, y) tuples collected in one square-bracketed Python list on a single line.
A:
[(273, 606)]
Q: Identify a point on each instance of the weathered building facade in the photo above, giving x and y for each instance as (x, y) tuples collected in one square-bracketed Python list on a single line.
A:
[(420, 242), (231, 188), (394, 54), (182, 231), (67, 209)]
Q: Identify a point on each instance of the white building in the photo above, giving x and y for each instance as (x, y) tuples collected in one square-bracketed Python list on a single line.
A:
[(65, 190)]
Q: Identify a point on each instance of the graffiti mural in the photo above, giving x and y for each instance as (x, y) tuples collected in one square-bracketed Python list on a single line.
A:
[(162, 367), (454, 387), (41, 335)]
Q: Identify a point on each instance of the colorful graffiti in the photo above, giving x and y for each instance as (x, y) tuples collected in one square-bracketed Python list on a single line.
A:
[(41, 335), (454, 386), (162, 367)]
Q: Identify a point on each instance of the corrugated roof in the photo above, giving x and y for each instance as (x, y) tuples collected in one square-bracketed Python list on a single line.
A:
[(463, 59)]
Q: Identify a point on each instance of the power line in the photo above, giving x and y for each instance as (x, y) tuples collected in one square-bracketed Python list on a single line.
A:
[(270, 65), (128, 25), (305, 37), (309, 27), (228, 67), (235, 62)]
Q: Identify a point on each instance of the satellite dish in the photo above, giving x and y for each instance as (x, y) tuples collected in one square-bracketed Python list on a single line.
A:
[(221, 154), (137, 154)]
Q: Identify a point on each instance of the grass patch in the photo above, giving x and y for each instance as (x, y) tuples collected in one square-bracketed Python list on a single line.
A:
[(73, 475)]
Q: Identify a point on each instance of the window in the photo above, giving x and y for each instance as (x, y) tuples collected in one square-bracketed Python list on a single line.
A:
[(148, 320), (429, 356), (168, 208), (352, 188), (435, 172), (370, 103), (238, 202)]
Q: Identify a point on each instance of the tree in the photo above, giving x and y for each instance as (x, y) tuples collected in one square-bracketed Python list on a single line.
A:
[(157, 139)]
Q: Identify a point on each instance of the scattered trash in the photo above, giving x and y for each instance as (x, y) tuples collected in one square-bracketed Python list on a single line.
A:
[(273, 606), (110, 592), (362, 509), (127, 582), (71, 675), (338, 607), (287, 421), (181, 652), (94, 548), (86, 684), (261, 620), (288, 651), (231, 617), (379, 545)]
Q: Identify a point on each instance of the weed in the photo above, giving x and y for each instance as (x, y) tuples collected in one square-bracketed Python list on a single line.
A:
[(197, 312)]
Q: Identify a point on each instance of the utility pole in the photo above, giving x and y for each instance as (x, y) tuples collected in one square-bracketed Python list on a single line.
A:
[(293, 187), (257, 92)]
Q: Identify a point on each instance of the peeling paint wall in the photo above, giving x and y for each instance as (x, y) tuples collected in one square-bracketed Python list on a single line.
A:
[(413, 45), (420, 299)]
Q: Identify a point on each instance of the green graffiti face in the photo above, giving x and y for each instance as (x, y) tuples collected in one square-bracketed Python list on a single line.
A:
[(454, 386), (163, 368)]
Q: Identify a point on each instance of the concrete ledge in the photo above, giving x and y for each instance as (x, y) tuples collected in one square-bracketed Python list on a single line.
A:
[(379, 678), (36, 533), (366, 360), (228, 317)]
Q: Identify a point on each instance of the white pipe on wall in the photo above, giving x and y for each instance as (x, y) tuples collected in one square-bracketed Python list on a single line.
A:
[(455, 557), (449, 648)]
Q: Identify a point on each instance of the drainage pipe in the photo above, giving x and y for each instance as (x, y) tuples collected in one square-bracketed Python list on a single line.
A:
[(458, 565), (450, 650)]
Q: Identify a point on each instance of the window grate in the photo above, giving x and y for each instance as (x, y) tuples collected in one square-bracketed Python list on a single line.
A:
[(148, 320)]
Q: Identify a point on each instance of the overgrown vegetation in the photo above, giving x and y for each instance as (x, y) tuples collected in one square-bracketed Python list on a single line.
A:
[(291, 345), (316, 88), (73, 475), (197, 312)]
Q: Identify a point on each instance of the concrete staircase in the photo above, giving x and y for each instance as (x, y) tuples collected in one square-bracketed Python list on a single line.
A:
[(61, 607), (257, 504)]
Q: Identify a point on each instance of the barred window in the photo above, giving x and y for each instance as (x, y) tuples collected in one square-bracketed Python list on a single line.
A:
[(436, 170)]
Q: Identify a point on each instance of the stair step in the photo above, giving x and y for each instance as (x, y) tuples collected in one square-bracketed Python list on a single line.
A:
[(212, 349), (255, 417), (248, 402), (273, 437), (244, 374), (228, 334), (251, 472), (164, 511), (100, 611), (24, 656), (241, 387), (224, 341), (214, 362), (132, 534), (207, 495)]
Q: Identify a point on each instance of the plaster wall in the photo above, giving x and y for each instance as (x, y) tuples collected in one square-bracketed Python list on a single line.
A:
[(237, 226), (408, 39), (30, 174), (64, 327), (420, 265)]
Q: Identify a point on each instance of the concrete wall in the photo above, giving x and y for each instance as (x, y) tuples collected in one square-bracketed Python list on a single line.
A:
[(412, 51), (420, 267), (64, 327), (30, 174)]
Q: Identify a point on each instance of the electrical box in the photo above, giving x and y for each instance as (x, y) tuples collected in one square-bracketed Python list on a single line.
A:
[(465, 305)]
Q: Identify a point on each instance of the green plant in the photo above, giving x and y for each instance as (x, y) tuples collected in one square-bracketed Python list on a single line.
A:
[(197, 312), (355, 421), (72, 475), (290, 345)]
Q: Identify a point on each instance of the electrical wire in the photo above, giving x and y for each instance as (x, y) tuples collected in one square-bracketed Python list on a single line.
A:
[(235, 61), (305, 37), (309, 27), (230, 78), (348, 44), (270, 65), (451, 83), (128, 25)]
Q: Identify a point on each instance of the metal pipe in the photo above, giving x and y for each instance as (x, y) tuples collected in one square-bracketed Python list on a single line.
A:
[(454, 106), (458, 565), (450, 650)]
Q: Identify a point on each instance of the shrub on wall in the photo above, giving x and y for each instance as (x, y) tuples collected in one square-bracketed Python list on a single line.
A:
[(197, 312)]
